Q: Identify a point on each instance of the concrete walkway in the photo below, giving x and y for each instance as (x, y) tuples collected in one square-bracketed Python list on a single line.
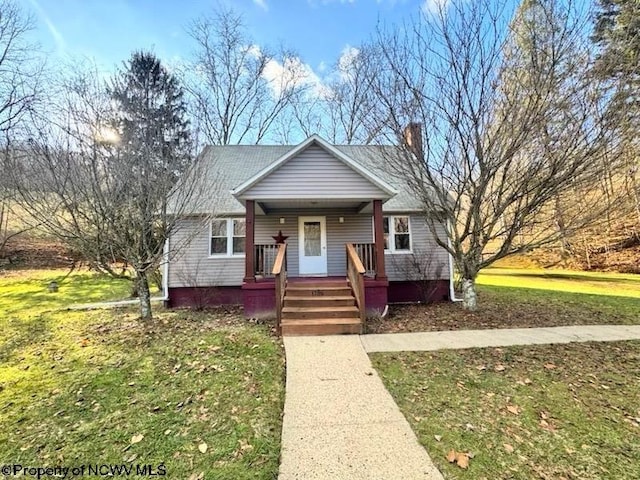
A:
[(339, 420), (114, 304), (341, 423), (426, 341)]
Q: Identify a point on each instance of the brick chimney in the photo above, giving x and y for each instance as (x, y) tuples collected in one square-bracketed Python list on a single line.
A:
[(413, 138)]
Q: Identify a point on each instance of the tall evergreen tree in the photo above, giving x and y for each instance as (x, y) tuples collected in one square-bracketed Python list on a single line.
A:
[(153, 151)]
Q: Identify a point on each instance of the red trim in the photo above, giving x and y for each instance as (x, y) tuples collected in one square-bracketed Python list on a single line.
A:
[(258, 298), (250, 216), (418, 291)]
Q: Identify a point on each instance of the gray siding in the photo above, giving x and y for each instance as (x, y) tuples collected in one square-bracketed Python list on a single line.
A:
[(194, 267), (355, 229), (314, 173), (427, 256)]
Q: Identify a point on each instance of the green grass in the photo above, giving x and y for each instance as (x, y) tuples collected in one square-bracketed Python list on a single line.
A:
[(592, 283), (574, 408), (24, 292), (77, 387)]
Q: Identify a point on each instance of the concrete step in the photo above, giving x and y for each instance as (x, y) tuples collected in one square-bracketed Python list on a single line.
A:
[(321, 326)]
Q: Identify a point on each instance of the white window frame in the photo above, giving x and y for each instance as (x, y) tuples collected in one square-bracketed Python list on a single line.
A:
[(230, 238), (392, 233)]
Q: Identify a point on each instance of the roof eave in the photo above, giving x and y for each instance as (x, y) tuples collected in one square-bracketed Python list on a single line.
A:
[(381, 184)]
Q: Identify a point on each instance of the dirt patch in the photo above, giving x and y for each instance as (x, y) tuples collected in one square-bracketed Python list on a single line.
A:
[(27, 252)]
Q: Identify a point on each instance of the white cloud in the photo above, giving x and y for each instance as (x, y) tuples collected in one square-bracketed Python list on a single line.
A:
[(292, 72), (262, 4), (435, 6), (347, 58)]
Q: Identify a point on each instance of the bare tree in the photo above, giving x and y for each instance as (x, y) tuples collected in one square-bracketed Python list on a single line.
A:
[(511, 123), (348, 99), (100, 171), (20, 77), (238, 88)]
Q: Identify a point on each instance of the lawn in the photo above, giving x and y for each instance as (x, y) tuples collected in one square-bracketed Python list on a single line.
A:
[(550, 412), (199, 393), (509, 298)]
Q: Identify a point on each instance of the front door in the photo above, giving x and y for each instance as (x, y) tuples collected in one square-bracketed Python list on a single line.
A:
[(313, 246)]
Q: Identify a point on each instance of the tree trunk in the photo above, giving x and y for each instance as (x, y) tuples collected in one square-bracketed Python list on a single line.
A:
[(144, 296), (469, 296)]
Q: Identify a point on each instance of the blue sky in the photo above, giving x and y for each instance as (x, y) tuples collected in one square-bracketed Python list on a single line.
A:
[(109, 30)]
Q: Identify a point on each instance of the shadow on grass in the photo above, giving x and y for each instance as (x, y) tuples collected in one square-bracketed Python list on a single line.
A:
[(563, 276), (23, 333), (619, 306)]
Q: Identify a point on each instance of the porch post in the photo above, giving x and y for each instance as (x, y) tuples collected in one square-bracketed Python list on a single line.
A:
[(250, 216), (379, 240)]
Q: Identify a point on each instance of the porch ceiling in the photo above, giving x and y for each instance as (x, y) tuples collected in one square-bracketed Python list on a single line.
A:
[(277, 206)]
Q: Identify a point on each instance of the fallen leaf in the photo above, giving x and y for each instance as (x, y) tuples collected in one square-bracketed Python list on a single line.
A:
[(137, 438), (437, 437), (462, 460), (508, 448), (481, 367), (499, 367), (203, 447), (451, 456), (549, 366), (513, 409)]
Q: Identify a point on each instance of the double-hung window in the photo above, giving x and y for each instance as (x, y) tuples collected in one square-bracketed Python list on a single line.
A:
[(227, 237), (397, 233)]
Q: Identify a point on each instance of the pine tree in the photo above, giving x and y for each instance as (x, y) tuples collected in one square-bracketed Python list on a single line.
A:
[(152, 153)]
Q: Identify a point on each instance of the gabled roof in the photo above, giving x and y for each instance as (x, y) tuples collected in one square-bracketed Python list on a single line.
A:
[(317, 140), (227, 168)]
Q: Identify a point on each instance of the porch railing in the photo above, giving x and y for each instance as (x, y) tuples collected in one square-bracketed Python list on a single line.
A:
[(264, 259), (280, 273), (355, 273), (367, 254)]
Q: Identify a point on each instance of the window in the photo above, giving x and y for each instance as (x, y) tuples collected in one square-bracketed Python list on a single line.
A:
[(397, 234), (227, 237)]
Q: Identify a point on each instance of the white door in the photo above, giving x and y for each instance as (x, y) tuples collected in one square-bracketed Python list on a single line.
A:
[(313, 246)]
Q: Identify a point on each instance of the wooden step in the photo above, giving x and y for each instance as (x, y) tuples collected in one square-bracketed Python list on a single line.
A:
[(320, 312), (319, 300), (317, 284), (321, 326), (317, 290)]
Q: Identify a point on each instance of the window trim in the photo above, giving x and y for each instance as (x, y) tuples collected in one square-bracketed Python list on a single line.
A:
[(392, 233), (230, 236)]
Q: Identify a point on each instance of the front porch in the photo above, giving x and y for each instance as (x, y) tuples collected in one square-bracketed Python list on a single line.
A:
[(315, 305)]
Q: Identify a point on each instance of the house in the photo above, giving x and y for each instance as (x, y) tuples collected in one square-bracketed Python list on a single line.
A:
[(318, 235)]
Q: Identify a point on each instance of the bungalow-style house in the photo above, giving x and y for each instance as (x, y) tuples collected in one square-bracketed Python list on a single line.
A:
[(316, 235)]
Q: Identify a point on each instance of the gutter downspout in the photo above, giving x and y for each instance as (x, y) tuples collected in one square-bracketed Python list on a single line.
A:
[(452, 290), (165, 273)]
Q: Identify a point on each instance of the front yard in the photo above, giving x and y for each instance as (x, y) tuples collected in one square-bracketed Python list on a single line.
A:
[(200, 393), (527, 298), (549, 412)]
